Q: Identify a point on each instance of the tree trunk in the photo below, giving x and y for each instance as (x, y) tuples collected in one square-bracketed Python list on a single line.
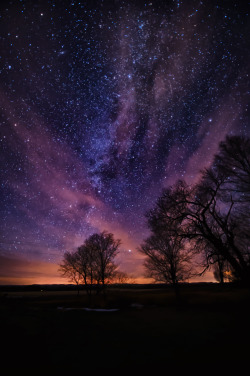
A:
[(177, 292), (221, 272)]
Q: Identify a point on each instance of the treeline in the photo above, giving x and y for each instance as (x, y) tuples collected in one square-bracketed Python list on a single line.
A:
[(207, 222)]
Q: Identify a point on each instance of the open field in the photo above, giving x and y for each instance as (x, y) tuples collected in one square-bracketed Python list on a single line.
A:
[(150, 331)]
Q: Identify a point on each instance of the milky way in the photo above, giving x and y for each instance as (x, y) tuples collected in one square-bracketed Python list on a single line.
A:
[(104, 103)]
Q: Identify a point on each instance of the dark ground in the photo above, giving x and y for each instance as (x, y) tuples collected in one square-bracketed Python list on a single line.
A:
[(208, 331)]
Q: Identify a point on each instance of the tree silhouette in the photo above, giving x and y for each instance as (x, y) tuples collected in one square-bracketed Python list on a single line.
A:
[(93, 262), (104, 248), (214, 214), (233, 160), (222, 199), (87, 266), (69, 269), (168, 258)]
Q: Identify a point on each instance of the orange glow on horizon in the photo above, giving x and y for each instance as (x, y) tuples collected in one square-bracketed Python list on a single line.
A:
[(19, 271)]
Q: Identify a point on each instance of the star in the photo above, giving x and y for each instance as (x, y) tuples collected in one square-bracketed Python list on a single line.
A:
[(103, 107)]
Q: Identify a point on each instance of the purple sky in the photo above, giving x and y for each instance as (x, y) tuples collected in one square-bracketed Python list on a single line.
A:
[(103, 105)]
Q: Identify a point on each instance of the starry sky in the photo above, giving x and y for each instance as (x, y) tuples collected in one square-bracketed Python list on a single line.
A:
[(103, 104)]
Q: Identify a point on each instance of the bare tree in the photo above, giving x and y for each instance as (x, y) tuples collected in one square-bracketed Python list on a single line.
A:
[(69, 269), (171, 210), (168, 256), (210, 223), (233, 159), (167, 259), (93, 262), (222, 200), (87, 266), (121, 277), (105, 249)]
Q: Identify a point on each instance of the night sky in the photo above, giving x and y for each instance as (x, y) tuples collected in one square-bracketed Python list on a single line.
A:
[(103, 104)]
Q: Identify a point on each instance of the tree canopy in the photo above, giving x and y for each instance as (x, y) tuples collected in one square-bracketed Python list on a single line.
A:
[(93, 263)]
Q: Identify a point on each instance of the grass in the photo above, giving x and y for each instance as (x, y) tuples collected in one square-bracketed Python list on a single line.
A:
[(210, 328)]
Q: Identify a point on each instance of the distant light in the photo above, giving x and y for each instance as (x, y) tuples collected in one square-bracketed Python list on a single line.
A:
[(130, 250)]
